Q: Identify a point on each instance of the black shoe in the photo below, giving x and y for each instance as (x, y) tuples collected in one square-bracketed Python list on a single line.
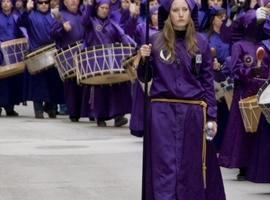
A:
[(39, 115), (12, 113), (101, 123), (51, 113), (0, 111), (120, 121), (74, 119), (242, 175)]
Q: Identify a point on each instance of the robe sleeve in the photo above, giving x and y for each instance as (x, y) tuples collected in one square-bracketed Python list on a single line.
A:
[(207, 81)]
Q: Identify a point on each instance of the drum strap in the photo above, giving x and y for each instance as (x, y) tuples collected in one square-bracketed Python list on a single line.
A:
[(204, 106)]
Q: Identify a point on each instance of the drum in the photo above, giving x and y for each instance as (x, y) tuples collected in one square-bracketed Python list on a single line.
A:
[(13, 55), (250, 112), (224, 90), (41, 59), (263, 98), (64, 60), (98, 65)]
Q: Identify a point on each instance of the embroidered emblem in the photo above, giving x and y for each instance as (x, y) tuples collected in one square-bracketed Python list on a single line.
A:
[(248, 60), (98, 28), (164, 55), (198, 58)]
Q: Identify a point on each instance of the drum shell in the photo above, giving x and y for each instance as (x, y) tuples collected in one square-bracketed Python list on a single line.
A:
[(99, 65), (41, 59), (250, 112), (265, 107), (13, 53), (64, 61)]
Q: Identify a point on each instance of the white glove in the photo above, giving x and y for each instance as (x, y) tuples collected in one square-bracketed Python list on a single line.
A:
[(261, 14)]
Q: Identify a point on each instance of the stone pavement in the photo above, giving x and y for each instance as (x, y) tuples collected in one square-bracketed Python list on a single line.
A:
[(59, 160)]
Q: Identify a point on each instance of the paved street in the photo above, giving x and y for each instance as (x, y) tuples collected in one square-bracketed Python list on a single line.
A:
[(58, 160)]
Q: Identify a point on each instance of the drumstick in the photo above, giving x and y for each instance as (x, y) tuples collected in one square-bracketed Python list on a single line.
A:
[(259, 54), (213, 52)]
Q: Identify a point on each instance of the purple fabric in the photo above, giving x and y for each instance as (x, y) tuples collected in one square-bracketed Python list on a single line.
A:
[(258, 169), (63, 38), (175, 149), (45, 86), (11, 88), (100, 2), (237, 144), (73, 97)]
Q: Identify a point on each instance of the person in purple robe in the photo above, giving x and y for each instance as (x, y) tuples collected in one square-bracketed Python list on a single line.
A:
[(237, 144), (11, 87), (205, 11), (180, 163), (45, 89), (259, 165), (221, 71), (105, 102), (67, 30), (117, 14)]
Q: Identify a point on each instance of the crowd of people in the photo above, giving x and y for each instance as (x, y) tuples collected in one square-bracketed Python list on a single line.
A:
[(196, 50)]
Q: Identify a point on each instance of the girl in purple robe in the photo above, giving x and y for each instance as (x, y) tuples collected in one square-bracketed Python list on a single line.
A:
[(45, 89), (10, 88), (178, 166), (113, 101), (67, 30), (237, 144)]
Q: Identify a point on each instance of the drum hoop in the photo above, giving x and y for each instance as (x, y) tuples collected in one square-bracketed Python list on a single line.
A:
[(106, 46), (40, 50), (15, 41), (69, 47)]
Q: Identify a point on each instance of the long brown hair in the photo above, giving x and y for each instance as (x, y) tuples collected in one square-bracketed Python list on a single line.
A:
[(167, 38)]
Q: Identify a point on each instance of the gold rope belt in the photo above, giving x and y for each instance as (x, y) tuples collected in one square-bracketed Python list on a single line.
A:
[(204, 106)]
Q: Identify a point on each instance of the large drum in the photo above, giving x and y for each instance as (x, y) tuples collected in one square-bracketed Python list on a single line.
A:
[(41, 59), (98, 65), (13, 55), (263, 98), (64, 60), (250, 112)]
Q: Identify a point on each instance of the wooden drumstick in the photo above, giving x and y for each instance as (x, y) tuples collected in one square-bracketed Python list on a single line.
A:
[(260, 54), (213, 52)]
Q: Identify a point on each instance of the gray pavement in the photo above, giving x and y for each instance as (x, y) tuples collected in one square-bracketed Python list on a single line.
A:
[(59, 160)]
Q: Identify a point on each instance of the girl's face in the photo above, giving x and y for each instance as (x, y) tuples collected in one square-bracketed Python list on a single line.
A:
[(180, 14), (217, 22)]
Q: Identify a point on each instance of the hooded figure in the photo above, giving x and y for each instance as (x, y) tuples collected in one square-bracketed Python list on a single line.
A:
[(182, 77), (45, 89), (237, 144), (11, 87), (105, 102)]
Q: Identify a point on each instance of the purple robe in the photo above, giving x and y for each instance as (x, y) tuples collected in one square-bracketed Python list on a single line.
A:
[(105, 101), (11, 88), (237, 144), (72, 91), (45, 86), (174, 154)]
